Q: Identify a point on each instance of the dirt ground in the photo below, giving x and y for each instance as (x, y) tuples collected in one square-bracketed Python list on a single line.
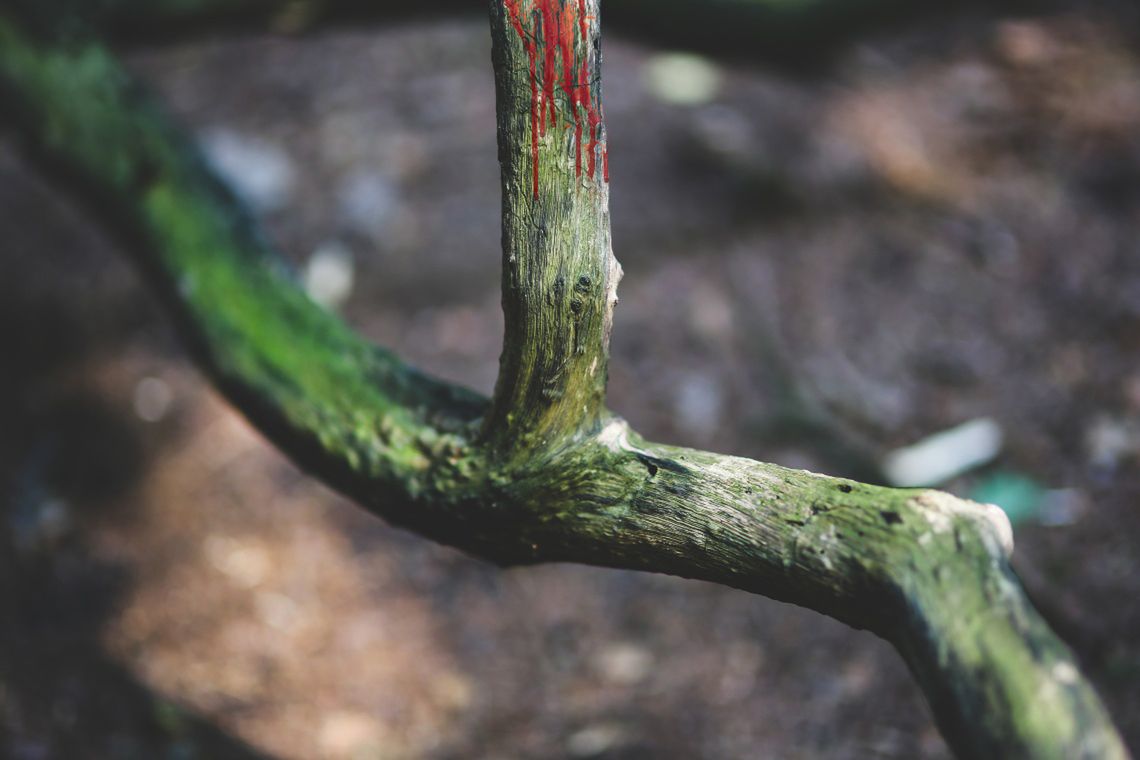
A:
[(941, 227)]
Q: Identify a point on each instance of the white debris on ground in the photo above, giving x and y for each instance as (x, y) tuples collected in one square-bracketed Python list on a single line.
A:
[(259, 171), (330, 274), (944, 455), (682, 79), (1112, 440), (596, 739), (624, 663), (367, 202), (152, 399)]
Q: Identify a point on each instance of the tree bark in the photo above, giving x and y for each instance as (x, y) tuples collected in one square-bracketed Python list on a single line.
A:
[(559, 273), (543, 472)]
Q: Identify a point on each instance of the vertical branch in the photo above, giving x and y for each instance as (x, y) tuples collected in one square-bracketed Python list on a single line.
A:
[(559, 273)]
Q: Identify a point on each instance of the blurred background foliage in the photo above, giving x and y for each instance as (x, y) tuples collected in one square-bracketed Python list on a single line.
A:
[(905, 252)]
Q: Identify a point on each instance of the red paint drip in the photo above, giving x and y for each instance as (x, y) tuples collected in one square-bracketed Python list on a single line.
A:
[(515, 13), (566, 46), (549, 28), (558, 26)]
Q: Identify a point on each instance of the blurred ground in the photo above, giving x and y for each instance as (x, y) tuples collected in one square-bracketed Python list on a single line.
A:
[(943, 228)]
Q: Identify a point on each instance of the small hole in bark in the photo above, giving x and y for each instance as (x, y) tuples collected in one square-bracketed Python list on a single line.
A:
[(652, 468), (844, 488), (576, 306), (891, 518), (583, 285)]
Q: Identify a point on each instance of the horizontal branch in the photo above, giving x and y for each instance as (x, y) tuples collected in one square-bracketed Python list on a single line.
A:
[(925, 570)]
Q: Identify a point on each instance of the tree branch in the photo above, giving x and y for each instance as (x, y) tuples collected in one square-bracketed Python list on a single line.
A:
[(924, 570), (559, 273), (353, 412)]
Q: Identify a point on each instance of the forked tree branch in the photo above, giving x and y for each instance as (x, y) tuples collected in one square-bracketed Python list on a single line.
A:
[(544, 472)]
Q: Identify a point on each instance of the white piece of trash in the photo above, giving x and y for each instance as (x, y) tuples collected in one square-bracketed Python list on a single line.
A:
[(938, 458)]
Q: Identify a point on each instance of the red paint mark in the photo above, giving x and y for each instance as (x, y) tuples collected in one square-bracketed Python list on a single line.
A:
[(515, 14), (546, 24), (559, 27), (566, 40)]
